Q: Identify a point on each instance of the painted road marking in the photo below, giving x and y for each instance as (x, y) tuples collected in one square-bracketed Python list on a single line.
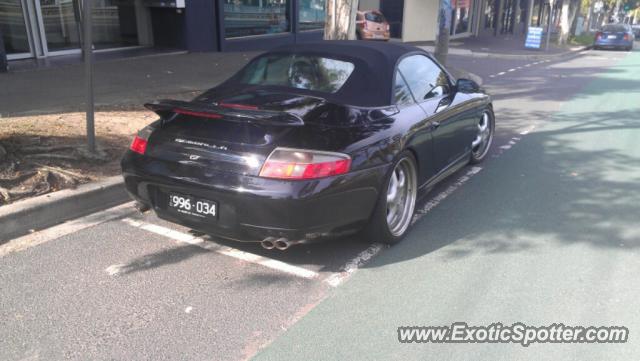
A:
[(350, 267), (55, 232), (502, 73), (444, 194), (510, 70), (527, 130), (181, 237)]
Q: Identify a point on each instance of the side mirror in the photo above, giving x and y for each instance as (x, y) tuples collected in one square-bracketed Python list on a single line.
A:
[(467, 86)]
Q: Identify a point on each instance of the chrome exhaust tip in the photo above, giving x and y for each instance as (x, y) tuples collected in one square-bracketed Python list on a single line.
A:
[(282, 244), (268, 243)]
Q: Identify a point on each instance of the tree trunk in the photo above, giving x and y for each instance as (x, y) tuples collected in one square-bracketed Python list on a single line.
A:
[(3, 153), (574, 10), (340, 22), (564, 23), (589, 18), (442, 38)]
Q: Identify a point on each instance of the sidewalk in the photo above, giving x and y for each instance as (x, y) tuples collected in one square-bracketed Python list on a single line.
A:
[(130, 82), (501, 46), (126, 82)]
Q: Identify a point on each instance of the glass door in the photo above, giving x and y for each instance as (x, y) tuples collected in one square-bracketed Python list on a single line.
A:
[(461, 11), (14, 29), (61, 24)]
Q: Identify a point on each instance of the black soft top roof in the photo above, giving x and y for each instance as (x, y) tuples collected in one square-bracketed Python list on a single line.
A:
[(370, 83)]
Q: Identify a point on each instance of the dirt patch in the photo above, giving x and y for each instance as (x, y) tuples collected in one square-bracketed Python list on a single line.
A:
[(46, 153)]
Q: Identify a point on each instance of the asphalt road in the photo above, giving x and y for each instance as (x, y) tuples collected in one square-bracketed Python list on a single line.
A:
[(546, 230)]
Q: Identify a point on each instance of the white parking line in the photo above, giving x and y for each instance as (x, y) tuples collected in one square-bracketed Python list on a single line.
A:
[(181, 237), (510, 70), (350, 267), (502, 73)]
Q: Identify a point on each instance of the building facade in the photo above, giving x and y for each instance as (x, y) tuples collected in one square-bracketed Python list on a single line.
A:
[(43, 28)]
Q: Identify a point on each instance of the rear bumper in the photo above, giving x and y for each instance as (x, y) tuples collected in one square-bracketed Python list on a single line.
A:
[(252, 208), (374, 34), (613, 43)]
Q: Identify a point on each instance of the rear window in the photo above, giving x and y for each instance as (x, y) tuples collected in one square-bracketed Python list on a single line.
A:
[(614, 28), (297, 71), (375, 17)]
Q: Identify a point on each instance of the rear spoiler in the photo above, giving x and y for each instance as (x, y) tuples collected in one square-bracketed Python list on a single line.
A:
[(168, 109)]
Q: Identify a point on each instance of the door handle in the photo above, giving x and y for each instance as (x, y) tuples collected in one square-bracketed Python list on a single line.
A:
[(435, 125)]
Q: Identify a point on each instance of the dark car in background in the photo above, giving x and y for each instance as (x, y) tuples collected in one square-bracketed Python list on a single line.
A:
[(636, 30), (372, 25), (310, 142), (614, 36)]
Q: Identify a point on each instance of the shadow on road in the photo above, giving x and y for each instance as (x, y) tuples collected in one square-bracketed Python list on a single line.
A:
[(574, 182)]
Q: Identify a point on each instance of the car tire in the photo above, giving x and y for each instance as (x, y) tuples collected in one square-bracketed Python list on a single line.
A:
[(482, 143), (384, 226)]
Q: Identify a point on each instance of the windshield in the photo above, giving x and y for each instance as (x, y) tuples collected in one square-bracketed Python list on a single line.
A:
[(298, 71), (614, 28), (375, 17)]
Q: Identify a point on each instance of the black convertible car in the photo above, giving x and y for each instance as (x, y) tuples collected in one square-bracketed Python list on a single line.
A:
[(309, 142)]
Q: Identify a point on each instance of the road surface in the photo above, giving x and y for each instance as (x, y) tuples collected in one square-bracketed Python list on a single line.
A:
[(545, 231)]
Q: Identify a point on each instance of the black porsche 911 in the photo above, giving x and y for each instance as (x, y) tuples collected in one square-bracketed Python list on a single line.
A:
[(309, 142)]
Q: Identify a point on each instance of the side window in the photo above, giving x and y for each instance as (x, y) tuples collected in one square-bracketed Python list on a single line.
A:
[(426, 80), (401, 92)]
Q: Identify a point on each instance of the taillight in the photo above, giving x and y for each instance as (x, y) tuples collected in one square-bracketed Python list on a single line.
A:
[(388, 27), (626, 36), (598, 35), (365, 25), (139, 144), (286, 163)]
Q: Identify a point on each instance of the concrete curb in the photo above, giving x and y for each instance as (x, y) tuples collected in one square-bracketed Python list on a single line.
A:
[(47, 210), (532, 56)]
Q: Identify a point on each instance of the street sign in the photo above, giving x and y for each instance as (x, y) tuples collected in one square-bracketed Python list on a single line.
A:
[(534, 38)]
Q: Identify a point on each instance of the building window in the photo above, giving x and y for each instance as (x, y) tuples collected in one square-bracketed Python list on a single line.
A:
[(311, 14), (114, 24), (256, 17), (13, 28)]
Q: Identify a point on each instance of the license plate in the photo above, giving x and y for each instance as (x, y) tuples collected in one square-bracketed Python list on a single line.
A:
[(193, 206), (612, 37), (378, 36)]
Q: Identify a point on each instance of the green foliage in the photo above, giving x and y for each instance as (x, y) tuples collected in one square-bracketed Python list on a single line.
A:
[(582, 39)]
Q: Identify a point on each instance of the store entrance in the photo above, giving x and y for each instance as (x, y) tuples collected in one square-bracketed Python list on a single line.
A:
[(39, 28)]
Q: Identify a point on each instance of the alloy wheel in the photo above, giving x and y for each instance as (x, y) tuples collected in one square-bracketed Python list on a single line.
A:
[(401, 197), (482, 142)]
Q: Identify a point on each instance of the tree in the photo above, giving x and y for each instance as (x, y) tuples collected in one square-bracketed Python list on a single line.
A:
[(442, 38), (567, 17), (340, 23)]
